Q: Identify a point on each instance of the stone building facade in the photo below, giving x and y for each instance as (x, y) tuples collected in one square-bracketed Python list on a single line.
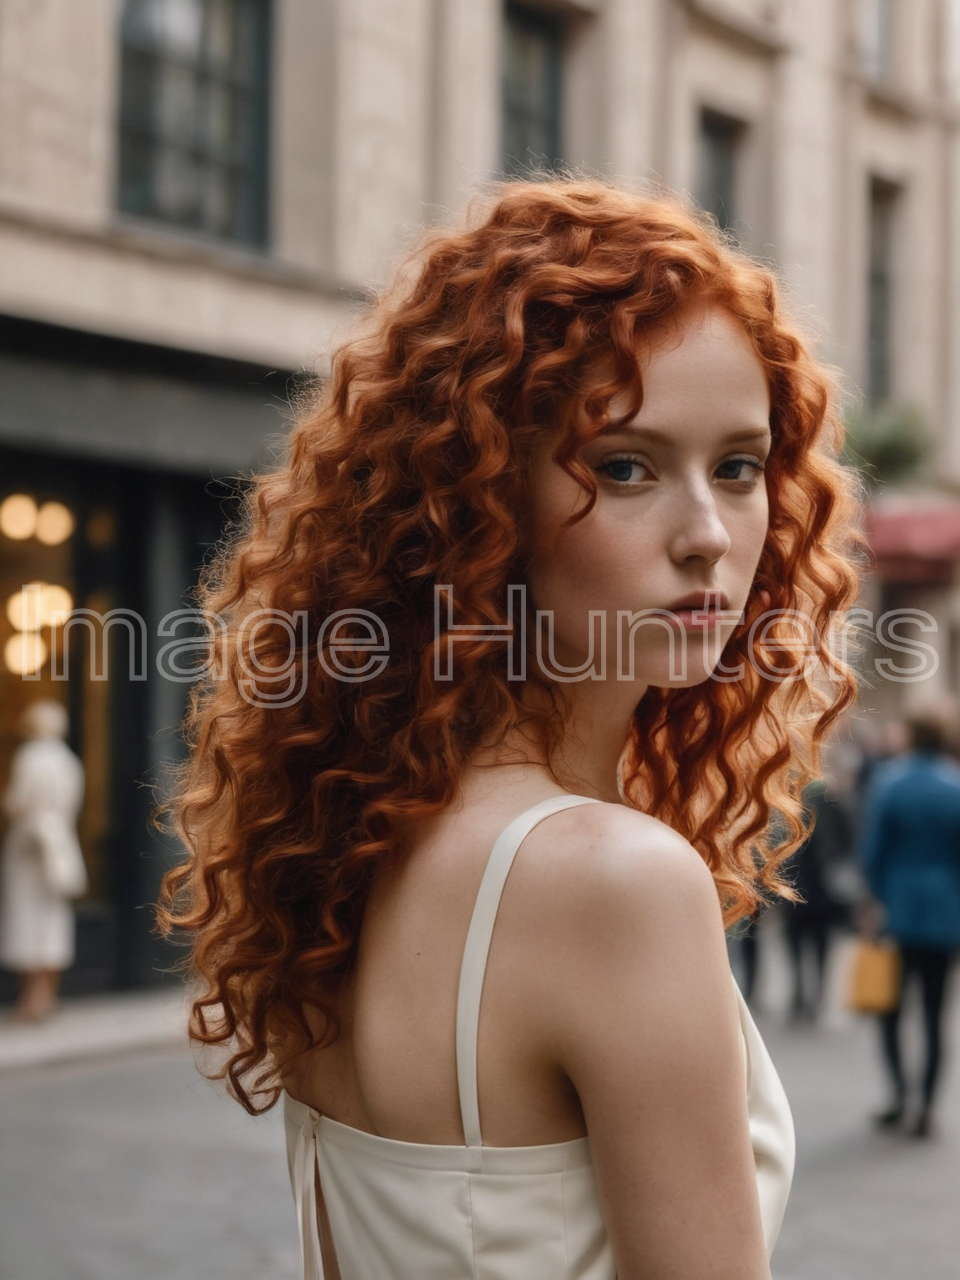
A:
[(197, 195), (385, 114)]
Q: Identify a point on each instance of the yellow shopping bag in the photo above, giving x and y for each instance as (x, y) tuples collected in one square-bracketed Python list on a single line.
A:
[(874, 981)]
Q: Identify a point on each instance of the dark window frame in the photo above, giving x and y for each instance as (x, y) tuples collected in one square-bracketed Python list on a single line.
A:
[(547, 115), (883, 200), (142, 136), (720, 139)]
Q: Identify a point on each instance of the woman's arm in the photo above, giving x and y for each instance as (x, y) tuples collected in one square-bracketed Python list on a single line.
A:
[(649, 1034)]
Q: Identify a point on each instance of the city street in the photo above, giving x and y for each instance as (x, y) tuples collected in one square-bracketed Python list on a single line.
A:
[(865, 1205), (135, 1167)]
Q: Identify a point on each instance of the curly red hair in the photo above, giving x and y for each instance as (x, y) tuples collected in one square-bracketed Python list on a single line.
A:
[(408, 471)]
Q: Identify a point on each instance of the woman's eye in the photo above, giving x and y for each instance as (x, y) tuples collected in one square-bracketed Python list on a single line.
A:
[(742, 469), (624, 470)]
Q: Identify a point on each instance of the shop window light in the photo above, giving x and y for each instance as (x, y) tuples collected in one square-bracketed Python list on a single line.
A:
[(18, 516), (25, 653), (35, 604), (54, 524)]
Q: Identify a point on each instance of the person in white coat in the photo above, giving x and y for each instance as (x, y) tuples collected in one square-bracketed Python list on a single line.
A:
[(41, 864)]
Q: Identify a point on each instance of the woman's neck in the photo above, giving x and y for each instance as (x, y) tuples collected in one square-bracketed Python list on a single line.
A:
[(587, 759)]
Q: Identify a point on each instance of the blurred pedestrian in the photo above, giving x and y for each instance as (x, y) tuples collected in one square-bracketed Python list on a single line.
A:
[(879, 744), (811, 922), (41, 865), (911, 857), (747, 937)]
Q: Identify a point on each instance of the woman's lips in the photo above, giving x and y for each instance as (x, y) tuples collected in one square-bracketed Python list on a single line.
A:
[(696, 617), (699, 612)]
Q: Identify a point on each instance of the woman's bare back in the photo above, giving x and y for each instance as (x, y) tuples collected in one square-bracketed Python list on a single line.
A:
[(392, 1070)]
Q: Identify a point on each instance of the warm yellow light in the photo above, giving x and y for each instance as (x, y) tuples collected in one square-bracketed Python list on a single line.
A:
[(25, 607), (54, 523), (25, 653), (34, 605), (101, 529), (18, 516), (57, 600)]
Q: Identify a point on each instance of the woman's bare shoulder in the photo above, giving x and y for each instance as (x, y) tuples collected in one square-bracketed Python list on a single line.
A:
[(612, 859), (637, 1010)]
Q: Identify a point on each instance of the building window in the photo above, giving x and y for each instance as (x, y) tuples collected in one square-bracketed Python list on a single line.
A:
[(721, 146), (532, 72), (193, 115), (883, 200), (879, 39)]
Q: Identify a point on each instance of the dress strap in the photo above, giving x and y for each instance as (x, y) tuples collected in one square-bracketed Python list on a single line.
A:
[(477, 948)]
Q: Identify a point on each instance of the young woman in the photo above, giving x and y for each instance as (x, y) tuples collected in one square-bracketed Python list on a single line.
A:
[(516, 655)]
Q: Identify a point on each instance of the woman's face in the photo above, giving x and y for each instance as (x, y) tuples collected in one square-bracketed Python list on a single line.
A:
[(680, 518)]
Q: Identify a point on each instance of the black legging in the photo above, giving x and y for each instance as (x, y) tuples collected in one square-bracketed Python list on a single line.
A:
[(932, 968), (749, 957), (807, 930)]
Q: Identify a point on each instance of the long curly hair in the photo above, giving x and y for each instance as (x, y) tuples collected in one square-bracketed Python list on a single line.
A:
[(309, 753)]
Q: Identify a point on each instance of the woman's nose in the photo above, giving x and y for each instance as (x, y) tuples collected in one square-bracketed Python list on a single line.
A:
[(699, 533)]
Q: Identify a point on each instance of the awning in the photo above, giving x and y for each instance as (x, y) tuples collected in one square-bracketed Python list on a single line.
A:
[(915, 539), (147, 420)]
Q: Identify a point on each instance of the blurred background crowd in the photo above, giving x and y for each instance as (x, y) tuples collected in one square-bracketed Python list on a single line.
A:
[(197, 197)]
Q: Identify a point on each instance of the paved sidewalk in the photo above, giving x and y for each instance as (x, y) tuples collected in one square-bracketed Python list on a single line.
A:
[(88, 1027), (132, 1167), (865, 1204)]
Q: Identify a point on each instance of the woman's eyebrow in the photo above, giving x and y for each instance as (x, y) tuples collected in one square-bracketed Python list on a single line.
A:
[(736, 436)]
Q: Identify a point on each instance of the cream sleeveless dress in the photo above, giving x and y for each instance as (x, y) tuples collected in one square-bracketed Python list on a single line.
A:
[(418, 1211)]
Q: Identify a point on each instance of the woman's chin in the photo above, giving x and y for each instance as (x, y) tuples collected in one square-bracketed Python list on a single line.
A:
[(698, 659)]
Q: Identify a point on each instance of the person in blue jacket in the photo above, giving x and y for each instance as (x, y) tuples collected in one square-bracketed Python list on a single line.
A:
[(911, 858)]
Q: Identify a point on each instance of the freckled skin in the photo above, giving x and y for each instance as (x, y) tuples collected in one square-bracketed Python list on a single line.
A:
[(682, 504)]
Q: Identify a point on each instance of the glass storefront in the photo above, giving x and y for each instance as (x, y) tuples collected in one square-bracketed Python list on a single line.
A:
[(109, 500), (86, 537), (39, 545)]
